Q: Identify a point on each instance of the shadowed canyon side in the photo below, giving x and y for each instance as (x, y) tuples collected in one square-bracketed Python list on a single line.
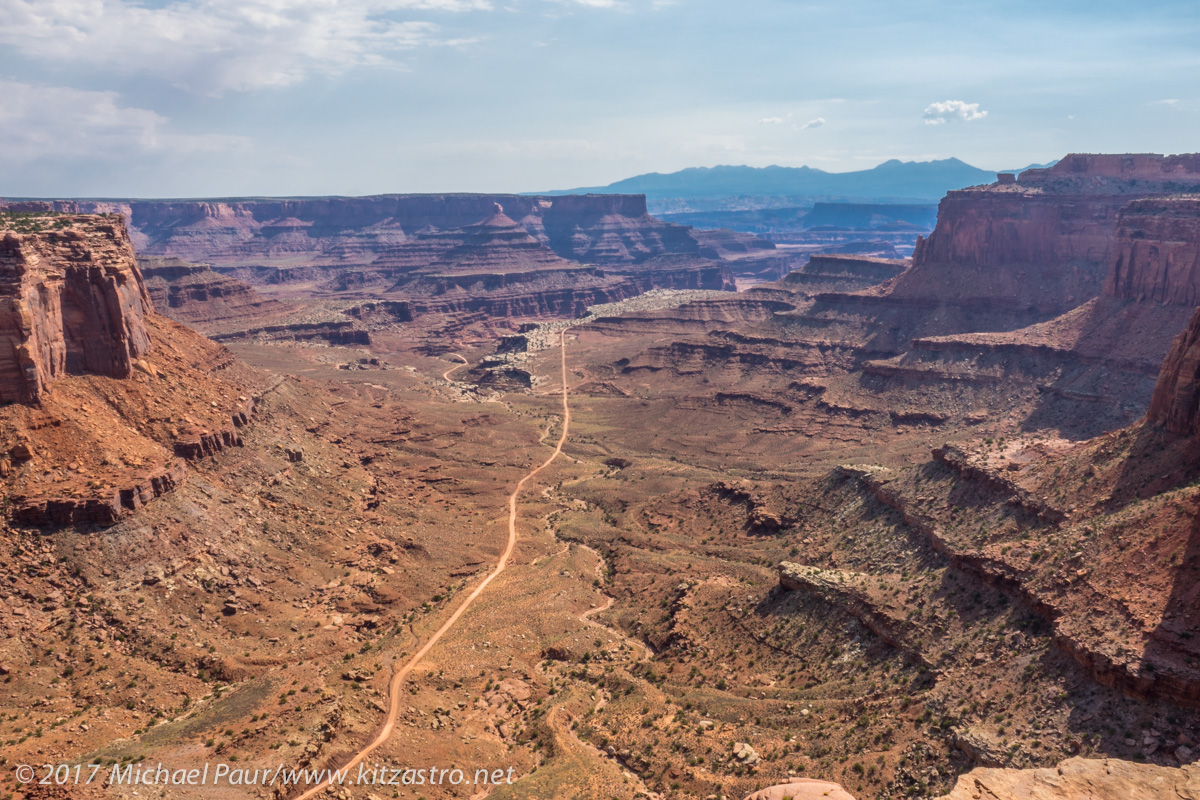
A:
[(197, 295), (1176, 401)]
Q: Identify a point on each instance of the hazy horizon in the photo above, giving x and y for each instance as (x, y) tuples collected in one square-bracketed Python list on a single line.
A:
[(182, 98)]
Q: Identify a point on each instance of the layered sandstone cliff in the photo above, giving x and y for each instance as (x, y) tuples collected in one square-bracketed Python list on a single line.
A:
[(496, 244), (72, 301), (1157, 252), (196, 295), (602, 229), (1044, 242)]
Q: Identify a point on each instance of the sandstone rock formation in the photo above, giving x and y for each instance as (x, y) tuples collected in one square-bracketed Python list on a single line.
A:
[(603, 229), (197, 295), (1157, 253), (496, 244), (1080, 779), (72, 302), (1175, 403), (1044, 242), (844, 273), (802, 789)]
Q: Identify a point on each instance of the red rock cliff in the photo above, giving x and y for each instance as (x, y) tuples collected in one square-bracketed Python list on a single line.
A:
[(1117, 171), (1176, 400), (1046, 241), (71, 301), (1157, 252)]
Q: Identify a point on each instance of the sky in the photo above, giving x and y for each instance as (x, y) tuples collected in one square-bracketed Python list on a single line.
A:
[(216, 98)]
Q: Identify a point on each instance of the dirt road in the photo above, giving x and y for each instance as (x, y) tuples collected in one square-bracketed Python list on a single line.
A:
[(446, 374), (398, 679)]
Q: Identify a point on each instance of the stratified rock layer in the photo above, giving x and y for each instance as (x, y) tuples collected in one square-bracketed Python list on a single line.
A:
[(196, 295), (1044, 242), (1157, 253), (601, 229), (72, 302)]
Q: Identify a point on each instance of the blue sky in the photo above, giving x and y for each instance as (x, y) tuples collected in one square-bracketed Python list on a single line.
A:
[(235, 97)]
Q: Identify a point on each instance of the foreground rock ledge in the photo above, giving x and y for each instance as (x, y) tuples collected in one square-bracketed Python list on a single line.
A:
[(1081, 779), (1073, 779), (803, 789)]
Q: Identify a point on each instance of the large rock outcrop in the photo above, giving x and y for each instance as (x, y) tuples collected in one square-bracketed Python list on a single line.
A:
[(72, 301), (802, 789), (1080, 779), (1043, 241), (1175, 403)]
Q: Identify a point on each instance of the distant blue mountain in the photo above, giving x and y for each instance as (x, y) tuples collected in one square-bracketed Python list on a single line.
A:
[(891, 180)]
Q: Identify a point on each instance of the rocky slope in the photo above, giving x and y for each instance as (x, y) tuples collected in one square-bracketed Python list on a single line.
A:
[(73, 302), (1073, 779)]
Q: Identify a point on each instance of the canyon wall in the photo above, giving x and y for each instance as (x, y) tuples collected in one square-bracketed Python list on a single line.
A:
[(1157, 252), (71, 302), (602, 229), (196, 295), (1046, 240)]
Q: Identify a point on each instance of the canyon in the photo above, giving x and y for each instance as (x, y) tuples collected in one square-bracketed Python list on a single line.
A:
[(872, 527)]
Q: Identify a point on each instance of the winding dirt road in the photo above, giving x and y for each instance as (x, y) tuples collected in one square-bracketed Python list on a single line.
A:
[(446, 374), (398, 678)]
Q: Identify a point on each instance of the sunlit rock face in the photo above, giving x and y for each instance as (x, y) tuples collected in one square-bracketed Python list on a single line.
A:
[(72, 302)]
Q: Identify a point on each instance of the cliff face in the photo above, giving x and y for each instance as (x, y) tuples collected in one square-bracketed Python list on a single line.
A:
[(1118, 172), (495, 245), (602, 229), (1045, 241), (196, 295), (1157, 252), (987, 228), (1175, 403), (71, 302)]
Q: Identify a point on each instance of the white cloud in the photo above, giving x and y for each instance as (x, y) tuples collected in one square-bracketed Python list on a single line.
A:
[(58, 123), (770, 121), (214, 46), (952, 110), (813, 123)]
